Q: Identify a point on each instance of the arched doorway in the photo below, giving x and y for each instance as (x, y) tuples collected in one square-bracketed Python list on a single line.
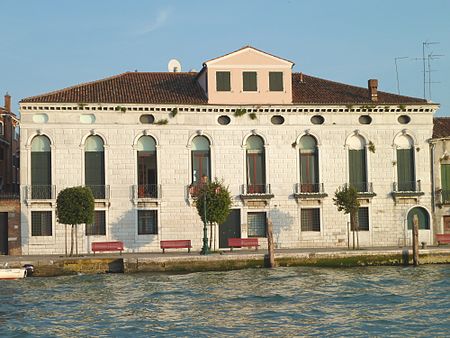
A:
[(423, 218)]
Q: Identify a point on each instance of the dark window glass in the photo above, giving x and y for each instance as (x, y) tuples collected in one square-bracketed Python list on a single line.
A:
[(310, 219), (94, 166), (224, 120), (147, 180), (257, 225), (365, 119), (317, 119), (277, 119), (1, 154), (41, 223), (41, 168), (309, 164), (256, 177), (223, 81), (276, 81), (249, 82), (363, 218), (404, 119), (358, 176), (98, 228), (147, 222), (147, 119), (200, 159)]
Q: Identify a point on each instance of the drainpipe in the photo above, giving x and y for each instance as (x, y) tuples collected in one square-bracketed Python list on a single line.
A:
[(432, 146)]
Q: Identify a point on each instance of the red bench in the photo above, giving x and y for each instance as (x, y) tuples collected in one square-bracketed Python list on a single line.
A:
[(443, 238), (243, 242), (107, 246), (176, 244)]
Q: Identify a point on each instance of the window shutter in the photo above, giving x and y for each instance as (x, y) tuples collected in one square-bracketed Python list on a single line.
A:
[(357, 170), (405, 169), (249, 79), (275, 81), (223, 81), (41, 168), (445, 177)]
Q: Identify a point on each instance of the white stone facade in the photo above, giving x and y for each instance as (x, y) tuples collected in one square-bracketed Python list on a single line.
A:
[(177, 218)]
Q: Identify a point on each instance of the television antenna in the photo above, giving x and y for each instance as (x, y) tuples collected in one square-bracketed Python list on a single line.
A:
[(174, 66), (431, 57), (396, 70), (425, 44)]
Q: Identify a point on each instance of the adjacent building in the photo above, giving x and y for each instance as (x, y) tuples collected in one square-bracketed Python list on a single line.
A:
[(440, 169), (282, 141), (9, 181)]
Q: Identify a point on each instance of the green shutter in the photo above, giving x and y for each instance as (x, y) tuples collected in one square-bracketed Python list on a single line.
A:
[(405, 170), (445, 182), (95, 172), (357, 169), (249, 79), (223, 81), (41, 168), (275, 81)]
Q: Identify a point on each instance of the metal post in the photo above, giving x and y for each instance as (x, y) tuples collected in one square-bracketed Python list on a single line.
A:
[(205, 249)]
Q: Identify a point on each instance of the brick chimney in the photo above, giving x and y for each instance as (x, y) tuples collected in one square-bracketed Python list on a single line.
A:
[(373, 89), (7, 102)]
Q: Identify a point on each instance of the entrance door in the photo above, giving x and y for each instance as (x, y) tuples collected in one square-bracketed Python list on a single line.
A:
[(446, 224), (3, 233), (231, 228)]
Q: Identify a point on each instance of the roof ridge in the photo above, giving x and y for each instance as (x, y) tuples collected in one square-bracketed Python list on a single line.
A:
[(76, 86)]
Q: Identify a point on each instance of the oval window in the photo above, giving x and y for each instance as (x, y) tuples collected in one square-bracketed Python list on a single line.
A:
[(147, 119), (365, 119), (277, 119), (224, 120), (317, 119), (404, 119), (40, 118), (87, 118)]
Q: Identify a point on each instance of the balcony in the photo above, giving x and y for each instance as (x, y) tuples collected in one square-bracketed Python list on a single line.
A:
[(442, 197), (257, 193), (364, 189), (309, 191), (40, 192), (147, 191), (100, 192), (407, 189)]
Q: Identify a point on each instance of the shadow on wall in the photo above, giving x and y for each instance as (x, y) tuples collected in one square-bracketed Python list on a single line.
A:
[(125, 229), (282, 223)]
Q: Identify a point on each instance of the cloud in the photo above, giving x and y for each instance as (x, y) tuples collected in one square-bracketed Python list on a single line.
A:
[(160, 20)]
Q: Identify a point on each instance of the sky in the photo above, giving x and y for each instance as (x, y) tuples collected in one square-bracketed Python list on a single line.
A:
[(49, 44)]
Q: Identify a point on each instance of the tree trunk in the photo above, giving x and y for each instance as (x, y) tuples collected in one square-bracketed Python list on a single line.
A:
[(65, 239), (353, 225), (210, 235), (71, 240), (270, 247), (76, 240)]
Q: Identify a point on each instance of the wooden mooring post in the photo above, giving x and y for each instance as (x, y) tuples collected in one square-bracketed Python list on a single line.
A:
[(270, 248), (415, 230)]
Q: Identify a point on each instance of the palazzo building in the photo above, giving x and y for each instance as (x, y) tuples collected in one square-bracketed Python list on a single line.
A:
[(283, 142)]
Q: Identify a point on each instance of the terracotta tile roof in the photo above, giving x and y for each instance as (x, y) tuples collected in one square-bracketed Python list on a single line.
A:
[(183, 88), (320, 91), (441, 127), (132, 87)]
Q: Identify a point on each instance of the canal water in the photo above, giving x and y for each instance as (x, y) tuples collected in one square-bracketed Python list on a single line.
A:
[(304, 301)]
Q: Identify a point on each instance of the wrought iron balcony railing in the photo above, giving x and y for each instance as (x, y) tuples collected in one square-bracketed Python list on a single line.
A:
[(362, 187), (147, 191), (100, 192), (309, 188), (40, 192), (443, 196), (256, 189), (406, 186)]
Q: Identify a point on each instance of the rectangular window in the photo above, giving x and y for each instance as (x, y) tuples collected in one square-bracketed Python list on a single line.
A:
[(1, 154), (249, 82), (257, 224), (223, 83), (445, 182), (98, 228), (363, 218), (358, 177), (276, 81), (41, 223), (405, 170), (147, 222), (310, 219)]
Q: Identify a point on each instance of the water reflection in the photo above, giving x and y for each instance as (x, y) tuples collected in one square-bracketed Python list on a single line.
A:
[(375, 301)]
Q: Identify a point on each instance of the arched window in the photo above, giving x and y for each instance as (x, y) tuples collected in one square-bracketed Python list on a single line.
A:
[(146, 166), (256, 175), (406, 175), (201, 159), (357, 160), (41, 164), (94, 166), (419, 215), (309, 164)]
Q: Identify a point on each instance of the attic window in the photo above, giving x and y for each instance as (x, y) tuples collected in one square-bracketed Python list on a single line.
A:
[(223, 83), (276, 81), (249, 83)]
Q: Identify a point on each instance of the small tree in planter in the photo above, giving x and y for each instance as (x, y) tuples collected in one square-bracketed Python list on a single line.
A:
[(346, 200), (75, 206), (216, 198)]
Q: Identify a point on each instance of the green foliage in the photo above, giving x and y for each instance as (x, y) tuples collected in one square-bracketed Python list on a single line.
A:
[(402, 107), (252, 116), (75, 206), (349, 106), (371, 147), (162, 122), (174, 112), (346, 199), (120, 108), (218, 202), (240, 111)]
